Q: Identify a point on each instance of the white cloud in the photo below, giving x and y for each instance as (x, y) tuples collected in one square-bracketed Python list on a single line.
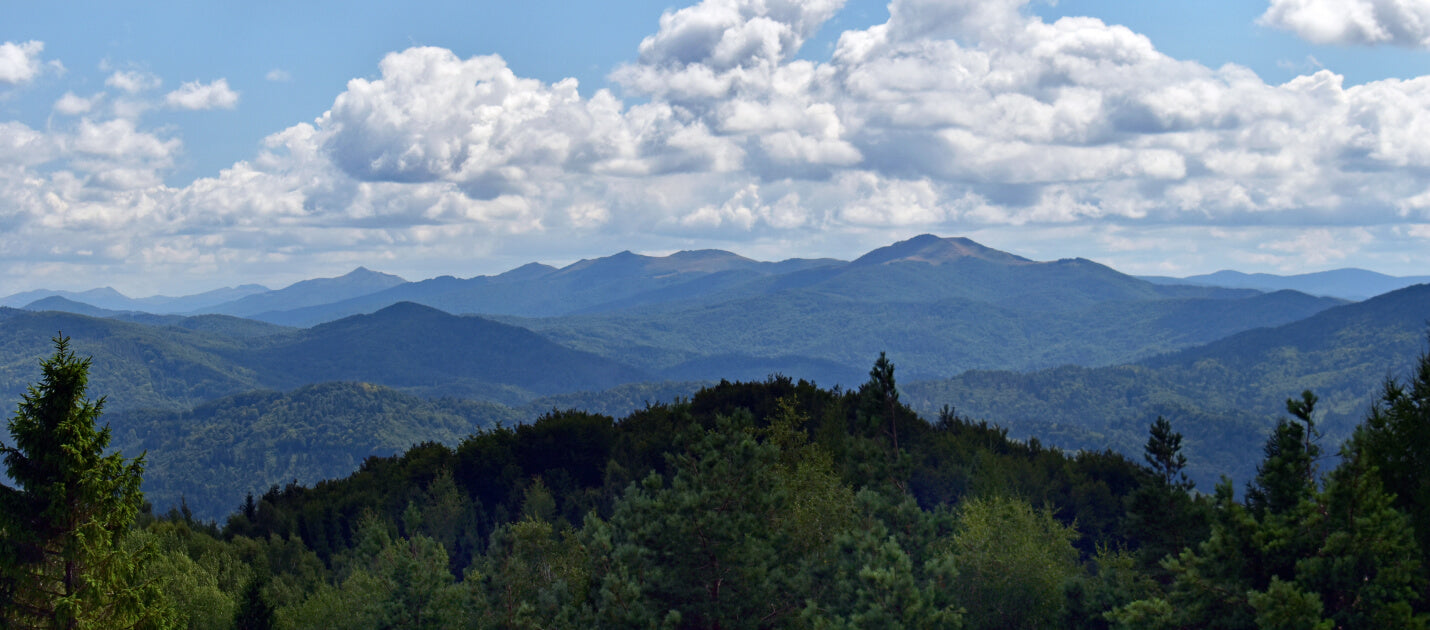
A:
[(278, 75), (20, 63), (195, 95), (1353, 22), (132, 81), (955, 116), (72, 105)]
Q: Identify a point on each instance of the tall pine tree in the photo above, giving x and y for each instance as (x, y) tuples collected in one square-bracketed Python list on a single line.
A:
[(62, 564)]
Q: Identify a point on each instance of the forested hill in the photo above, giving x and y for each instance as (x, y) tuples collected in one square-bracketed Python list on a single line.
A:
[(1224, 395), (800, 507), (210, 455), (174, 363)]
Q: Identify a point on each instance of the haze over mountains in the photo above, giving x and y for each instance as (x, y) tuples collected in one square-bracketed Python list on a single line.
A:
[(1070, 350), (1350, 284)]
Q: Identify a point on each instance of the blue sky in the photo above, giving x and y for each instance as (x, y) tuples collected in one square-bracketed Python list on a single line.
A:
[(171, 147)]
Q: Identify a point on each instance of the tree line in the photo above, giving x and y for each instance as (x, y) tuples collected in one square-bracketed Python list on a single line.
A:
[(773, 504)]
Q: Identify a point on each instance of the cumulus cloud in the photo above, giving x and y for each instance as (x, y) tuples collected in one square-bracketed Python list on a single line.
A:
[(20, 63), (195, 95), (1353, 22), (969, 116), (72, 105)]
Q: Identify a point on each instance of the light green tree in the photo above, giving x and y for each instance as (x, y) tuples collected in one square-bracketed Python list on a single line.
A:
[(1012, 562), (62, 561)]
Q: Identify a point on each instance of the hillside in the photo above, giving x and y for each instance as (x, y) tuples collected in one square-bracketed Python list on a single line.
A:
[(171, 362), (426, 350), (1223, 395), (213, 454), (836, 332)]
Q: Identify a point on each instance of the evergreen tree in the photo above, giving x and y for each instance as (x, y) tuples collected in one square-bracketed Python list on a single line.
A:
[(254, 611), (62, 562), (1164, 455), (1286, 476), (1395, 440), (1161, 514)]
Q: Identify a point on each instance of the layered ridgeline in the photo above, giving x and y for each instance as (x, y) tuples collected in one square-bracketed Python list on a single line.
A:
[(179, 362), (1350, 284), (1225, 396), (939, 306)]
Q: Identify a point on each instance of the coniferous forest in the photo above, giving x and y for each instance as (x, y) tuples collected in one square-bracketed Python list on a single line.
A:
[(748, 505)]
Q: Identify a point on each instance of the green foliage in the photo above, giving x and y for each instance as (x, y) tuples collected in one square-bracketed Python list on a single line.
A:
[(1395, 441), (1287, 474), (212, 455), (63, 561), (1162, 515), (1012, 561), (1219, 394), (1298, 555)]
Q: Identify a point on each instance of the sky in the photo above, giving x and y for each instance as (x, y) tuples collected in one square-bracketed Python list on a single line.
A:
[(177, 147)]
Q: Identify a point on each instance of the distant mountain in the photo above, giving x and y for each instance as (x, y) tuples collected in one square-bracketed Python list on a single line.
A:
[(199, 301), (66, 305), (938, 306), (1350, 284), (105, 297), (930, 249), (174, 364), (358, 282), (421, 348), (615, 282), (1224, 395), (109, 299), (134, 365)]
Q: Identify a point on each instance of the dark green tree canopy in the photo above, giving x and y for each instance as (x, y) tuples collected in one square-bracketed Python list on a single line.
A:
[(61, 528)]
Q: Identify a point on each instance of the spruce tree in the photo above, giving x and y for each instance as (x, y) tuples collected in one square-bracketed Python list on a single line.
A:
[(62, 564)]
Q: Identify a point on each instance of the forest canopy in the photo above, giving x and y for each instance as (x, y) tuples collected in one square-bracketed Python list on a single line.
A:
[(760, 504)]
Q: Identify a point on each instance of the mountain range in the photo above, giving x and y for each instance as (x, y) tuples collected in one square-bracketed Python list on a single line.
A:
[(1070, 350), (1348, 284), (621, 281)]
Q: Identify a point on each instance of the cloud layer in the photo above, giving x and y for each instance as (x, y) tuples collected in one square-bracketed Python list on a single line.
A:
[(1354, 22), (955, 116)]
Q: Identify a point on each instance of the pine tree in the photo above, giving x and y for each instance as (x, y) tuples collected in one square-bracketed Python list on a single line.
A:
[(62, 564), (1287, 475), (1161, 513), (1164, 455)]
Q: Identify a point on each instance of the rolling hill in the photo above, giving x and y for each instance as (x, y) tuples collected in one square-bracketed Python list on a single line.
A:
[(1224, 395)]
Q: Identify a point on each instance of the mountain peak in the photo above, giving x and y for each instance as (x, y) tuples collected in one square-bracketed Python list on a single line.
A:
[(363, 273), (935, 250)]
